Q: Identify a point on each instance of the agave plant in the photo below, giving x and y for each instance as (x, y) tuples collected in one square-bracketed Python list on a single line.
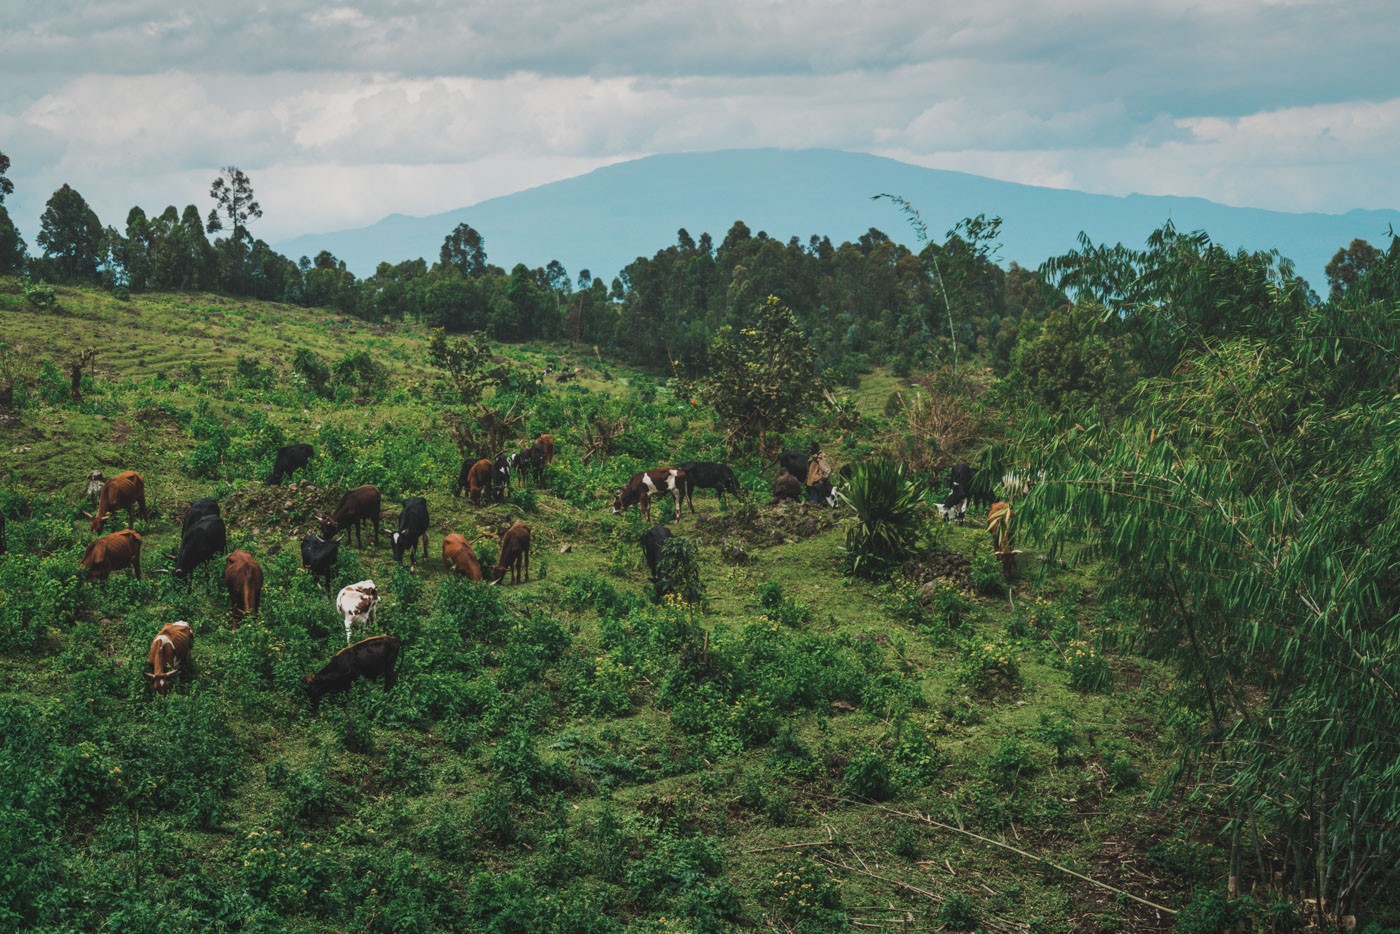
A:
[(886, 500)]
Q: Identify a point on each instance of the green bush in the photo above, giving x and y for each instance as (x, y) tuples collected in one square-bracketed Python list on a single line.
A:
[(678, 571), (988, 666), (781, 609), (868, 776), (887, 502), (987, 576), (1088, 669), (808, 897)]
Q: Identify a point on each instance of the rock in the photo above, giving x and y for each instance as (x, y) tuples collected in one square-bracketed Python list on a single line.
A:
[(565, 549)]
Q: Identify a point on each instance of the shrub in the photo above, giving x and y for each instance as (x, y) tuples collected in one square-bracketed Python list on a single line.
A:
[(958, 913), (987, 576), (678, 571), (781, 609), (40, 294), (988, 666), (281, 870), (1008, 762), (868, 776), (1088, 670), (808, 897), (886, 499)]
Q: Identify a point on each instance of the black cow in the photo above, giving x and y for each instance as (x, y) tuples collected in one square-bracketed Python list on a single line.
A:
[(652, 542), (200, 542), (290, 459), (374, 657), (955, 505), (795, 462), (822, 493), (319, 556), (413, 524), (711, 475), (199, 509)]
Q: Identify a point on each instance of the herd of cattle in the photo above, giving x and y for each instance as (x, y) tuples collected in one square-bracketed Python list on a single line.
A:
[(203, 538)]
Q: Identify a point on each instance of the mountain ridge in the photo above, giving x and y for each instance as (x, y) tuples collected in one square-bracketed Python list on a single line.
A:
[(604, 219)]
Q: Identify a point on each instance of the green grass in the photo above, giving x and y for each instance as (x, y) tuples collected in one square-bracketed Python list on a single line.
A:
[(640, 790)]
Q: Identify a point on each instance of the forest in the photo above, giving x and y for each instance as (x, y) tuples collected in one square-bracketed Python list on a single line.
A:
[(1174, 706)]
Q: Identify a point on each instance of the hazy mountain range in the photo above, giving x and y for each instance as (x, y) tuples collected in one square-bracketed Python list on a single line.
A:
[(603, 220)]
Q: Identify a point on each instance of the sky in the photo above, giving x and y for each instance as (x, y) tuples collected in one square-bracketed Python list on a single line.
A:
[(343, 112)]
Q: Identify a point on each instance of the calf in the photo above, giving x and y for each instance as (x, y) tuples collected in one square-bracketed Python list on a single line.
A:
[(413, 525), (319, 556), (530, 463), (457, 554), (643, 486), (112, 553), (515, 550), (358, 603), (290, 459), (369, 658), (786, 487), (822, 493), (474, 477), (170, 650), (243, 577), (200, 543), (545, 444), (124, 491), (652, 544), (711, 475), (359, 505)]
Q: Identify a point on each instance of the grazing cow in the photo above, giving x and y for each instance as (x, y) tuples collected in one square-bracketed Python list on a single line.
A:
[(786, 487), (124, 491), (359, 505), (170, 650), (95, 481), (290, 459), (413, 525), (643, 486), (500, 477), (955, 505), (652, 544), (369, 658), (710, 475), (199, 509), (358, 603), (515, 551), (200, 543), (474, 477), (457, 554), (319, 556), (243, 577), (822, 493), (112, 553), (545, 443)]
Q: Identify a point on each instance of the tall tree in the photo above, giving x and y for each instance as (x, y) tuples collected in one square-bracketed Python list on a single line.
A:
[(465, 250), (71, 236), (6, 186), (12, 248), (233, 196)]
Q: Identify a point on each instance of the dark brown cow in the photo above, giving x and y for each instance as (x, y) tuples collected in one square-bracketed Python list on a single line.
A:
[(643, 486), (359, 505), (546, 445), (124, 491), (479, 477), (369, 658), (112, 553), (243, 577), (457, 554), (170, 650), (786, 487), (515, 550)]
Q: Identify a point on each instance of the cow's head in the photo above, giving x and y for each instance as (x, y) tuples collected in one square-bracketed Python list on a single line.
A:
[(97, 520), (328, 527), (625, 497), (161, 683)]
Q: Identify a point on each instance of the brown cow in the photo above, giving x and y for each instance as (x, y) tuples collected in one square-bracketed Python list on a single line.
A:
[(359, 505), (170, 649), (479, 477), (457, 553), (546, 445), (643, 486), (112, 553), (243, 577), (124, 491), (786, 487), (515, 549)]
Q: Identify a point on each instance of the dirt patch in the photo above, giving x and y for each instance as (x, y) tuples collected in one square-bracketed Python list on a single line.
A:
[(760, 526), (939, 565), (289, 510), (120, 432)]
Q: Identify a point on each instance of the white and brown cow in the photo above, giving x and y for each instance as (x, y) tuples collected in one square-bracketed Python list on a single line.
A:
[(357, 603), (170, 649), (643, 486)]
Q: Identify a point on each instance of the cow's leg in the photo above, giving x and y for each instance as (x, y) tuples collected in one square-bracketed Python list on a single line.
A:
[(347, 628)]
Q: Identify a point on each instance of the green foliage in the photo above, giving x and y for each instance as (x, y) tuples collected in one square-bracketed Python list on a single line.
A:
[(868, 776), (887, 502), (988, 666), (310, 368), (959, 913), (39, 293), (361, 373), (1088, 669), (782, 609), (808, 897), (678, 571)]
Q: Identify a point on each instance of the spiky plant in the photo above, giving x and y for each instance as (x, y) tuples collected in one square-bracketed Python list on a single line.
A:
[(889, 525)]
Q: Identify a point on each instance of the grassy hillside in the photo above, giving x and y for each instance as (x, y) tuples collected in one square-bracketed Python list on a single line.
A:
[(801, 750)]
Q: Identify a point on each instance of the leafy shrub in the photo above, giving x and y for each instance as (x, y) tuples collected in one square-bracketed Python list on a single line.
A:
[(588, 591), (36, 595), (987, 576), (1008, 762), (254, 375), (868, 776), (958, 913), (311, 370), (678, 571), (39, 294), (808, 897), (289, 873), (607, 689), (1123, 773), (781, 609), (1088, 670), (886, 500), (361, 373), (917, 759), (988, 666)]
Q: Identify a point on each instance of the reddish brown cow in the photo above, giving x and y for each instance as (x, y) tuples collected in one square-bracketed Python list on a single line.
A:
[(359, 505), (170, 649), (546, 445), (457, 554), (124, 491), (643, 486), (515, 550), (243, 577), (112, 553), (478, 479)]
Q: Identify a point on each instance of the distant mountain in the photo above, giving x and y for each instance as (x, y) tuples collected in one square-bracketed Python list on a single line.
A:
[(603, 220)]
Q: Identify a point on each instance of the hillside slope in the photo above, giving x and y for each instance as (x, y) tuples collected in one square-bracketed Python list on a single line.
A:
[(559, 755)]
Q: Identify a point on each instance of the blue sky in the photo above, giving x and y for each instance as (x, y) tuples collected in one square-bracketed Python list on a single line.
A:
[(341, 113)]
